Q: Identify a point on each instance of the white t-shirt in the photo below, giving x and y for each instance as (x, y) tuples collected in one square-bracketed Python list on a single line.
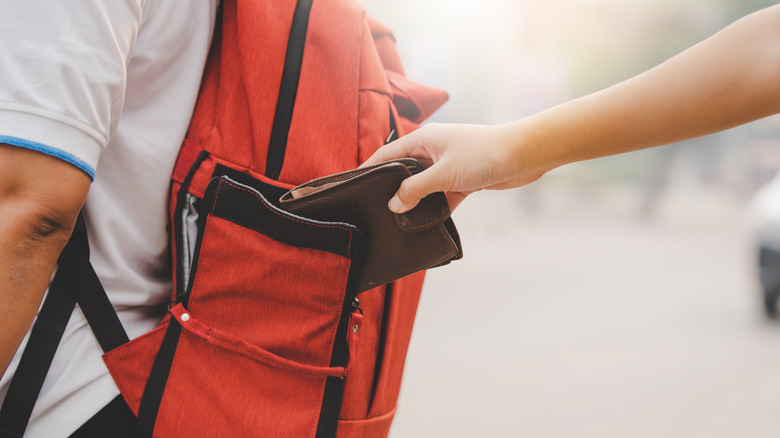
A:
[(109, 86)]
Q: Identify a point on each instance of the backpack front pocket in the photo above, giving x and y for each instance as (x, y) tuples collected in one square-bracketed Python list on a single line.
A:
[(258, 342)]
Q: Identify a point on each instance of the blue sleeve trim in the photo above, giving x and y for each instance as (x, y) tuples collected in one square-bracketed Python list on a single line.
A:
[(48, 150)]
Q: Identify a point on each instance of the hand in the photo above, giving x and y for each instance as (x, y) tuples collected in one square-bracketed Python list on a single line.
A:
[(461, 160)]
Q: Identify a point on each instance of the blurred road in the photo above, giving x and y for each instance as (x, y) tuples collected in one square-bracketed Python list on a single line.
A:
[(570, 323)]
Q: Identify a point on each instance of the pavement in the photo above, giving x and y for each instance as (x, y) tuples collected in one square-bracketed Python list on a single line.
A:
[(574, 318)]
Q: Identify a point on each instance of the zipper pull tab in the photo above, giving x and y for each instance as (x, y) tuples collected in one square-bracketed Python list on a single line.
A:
[(353, 330), (356, 306)]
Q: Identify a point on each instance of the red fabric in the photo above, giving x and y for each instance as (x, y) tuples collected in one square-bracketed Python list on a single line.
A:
[(353, 335), (215, 393), (374, 100), (260, 328), (400, 320), (301, 291), (384, 40), (375, 427), (235, 344), (414, 101), (131, 363), (260, 309), (359, 382), (240, 90), (187, 154)]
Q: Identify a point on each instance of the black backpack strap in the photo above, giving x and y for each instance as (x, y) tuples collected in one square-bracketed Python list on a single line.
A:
[(74, 282), (288, 90), (35, 361), (84, 285)]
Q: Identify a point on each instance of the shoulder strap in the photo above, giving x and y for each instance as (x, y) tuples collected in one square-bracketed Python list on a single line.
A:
[(35, 361), (84, 285), (288, 89), (75, 282)]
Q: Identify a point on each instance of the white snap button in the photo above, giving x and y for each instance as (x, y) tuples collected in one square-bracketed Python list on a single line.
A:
[(185, 317)]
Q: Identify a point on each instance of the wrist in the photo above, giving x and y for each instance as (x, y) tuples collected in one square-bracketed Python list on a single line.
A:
[(530, 153)]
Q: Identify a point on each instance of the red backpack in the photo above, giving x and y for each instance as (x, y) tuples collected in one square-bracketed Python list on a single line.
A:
[(266, 334)]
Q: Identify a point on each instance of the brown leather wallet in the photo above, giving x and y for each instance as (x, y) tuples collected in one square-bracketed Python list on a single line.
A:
[(398, 244)]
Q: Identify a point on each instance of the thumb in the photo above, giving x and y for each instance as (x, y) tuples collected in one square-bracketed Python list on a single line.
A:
[(413, 189)]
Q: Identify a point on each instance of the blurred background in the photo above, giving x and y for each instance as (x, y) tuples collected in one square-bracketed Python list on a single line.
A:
[(620, 297)]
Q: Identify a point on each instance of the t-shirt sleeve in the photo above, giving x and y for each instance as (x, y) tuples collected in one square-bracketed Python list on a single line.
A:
[(63, 72)]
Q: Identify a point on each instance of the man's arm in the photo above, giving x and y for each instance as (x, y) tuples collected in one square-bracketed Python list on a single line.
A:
[(40, 199), (727, 80)]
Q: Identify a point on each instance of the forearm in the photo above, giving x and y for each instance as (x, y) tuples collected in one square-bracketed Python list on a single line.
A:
[(727, 80), (40, 198)]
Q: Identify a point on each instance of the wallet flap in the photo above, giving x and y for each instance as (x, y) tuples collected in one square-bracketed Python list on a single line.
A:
[(431, 211)]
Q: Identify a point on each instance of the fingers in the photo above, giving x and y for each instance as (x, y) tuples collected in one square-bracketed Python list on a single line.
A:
[(388, 152), (407, 146), (414, 188)]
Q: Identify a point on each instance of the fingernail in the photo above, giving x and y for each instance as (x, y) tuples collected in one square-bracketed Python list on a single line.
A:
[(395, 204)]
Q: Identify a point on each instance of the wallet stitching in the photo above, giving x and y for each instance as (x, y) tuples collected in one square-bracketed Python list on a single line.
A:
[(348, 231), (426, 225)]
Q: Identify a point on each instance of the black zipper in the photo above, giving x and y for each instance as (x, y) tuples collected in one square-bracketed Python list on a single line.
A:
[(161, 367), (327, 424), (179, 227)]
